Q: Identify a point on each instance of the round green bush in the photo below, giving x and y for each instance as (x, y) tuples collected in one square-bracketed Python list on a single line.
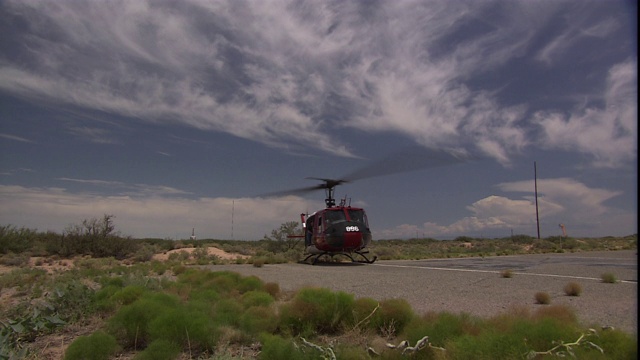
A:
[(161, 349), (259, 319), (392, 317), (97, 346), (186, 326), (130, 325), (256, 298), (318, 309)]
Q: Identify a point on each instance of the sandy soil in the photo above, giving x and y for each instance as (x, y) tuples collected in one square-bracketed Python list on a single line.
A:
[(211, 250)]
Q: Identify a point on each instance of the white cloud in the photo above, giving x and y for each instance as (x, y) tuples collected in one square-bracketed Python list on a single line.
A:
[(93, 134), (610, 134), (149, 215), (281, 72), (575, 32), (560, 200), (15, 138)]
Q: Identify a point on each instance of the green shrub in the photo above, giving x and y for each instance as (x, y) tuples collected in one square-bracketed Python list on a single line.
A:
[(258, 262), (225, 283), (392, 317), (228, 312), (131, 324), (14, 240), (272, 288), (209, 295), (250, 283), (160, 350), (275, 347), (258, 319), (543, 332), (104, 298), (12, 259), (159, 267), (617, 344), (95, 237), (73, 300), (609, 278), (143, 253), (489, 345), (128, 295), (187, 326), (23, 278), (543, 246), (441, 327), (561, 313), (97, 346), (542, 298), (195, 277), (178, 269), (570, 244), (573, 289), (319, 310), (363, 311), (179, 256), (256, 298)]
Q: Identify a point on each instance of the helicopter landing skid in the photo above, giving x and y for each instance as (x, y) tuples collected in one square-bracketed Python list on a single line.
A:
[(364, 260)]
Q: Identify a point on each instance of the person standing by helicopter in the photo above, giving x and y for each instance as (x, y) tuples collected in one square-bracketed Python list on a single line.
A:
[(308, 231)]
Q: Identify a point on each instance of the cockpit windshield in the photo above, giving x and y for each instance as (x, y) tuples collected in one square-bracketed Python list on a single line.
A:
[(358, 215), (334, 216)]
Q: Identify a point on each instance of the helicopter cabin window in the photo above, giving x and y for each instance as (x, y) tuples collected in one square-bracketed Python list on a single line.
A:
[(358, 215), (333, 217)]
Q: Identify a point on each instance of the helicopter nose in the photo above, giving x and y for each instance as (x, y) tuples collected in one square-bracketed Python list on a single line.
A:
[(352, 240), (348, 235)]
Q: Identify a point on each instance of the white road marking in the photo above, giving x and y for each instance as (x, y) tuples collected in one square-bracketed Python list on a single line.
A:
[(498, 272)]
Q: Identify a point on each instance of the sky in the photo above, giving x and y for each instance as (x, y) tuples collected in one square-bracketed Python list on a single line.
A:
[(179, 116)]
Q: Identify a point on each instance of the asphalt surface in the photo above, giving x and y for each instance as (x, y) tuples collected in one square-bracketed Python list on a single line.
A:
[(475, 285)]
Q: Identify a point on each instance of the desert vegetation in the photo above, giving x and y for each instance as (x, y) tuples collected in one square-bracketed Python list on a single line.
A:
[(609, 278), (99, 239), (92, 293), (573, 289), (542, 298)]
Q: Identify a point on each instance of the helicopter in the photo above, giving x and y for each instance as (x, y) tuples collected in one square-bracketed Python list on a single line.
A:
[(343, 229), (337, 229)]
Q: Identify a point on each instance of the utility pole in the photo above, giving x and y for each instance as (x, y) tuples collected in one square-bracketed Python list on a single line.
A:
[(535, 182)]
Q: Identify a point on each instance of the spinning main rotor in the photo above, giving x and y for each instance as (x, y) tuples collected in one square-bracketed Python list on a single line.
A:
[(411, 159)]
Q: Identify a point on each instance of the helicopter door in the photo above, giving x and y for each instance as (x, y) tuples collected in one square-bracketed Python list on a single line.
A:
[(318, 234), (308, 231)]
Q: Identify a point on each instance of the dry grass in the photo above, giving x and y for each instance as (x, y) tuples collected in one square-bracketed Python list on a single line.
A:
[(542, 298), (573, 289), (507, 274), (609, 278)]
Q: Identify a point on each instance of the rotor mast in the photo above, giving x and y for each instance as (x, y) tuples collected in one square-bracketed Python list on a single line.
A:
[(330, 201), (329, 187)]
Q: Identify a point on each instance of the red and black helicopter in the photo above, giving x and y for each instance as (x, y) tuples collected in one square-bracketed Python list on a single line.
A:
[(337, 229), (344, 230)]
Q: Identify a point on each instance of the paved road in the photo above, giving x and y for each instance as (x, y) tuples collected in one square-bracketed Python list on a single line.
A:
[(474, 285)]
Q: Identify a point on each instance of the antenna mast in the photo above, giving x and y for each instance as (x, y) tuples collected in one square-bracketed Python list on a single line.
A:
[(535, 182)]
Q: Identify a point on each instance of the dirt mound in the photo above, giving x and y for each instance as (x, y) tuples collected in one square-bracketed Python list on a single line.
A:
[(211, 250)]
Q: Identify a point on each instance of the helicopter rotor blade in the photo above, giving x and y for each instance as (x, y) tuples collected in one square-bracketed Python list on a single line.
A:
[(329, 183), (299, 191), (410, 159)]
